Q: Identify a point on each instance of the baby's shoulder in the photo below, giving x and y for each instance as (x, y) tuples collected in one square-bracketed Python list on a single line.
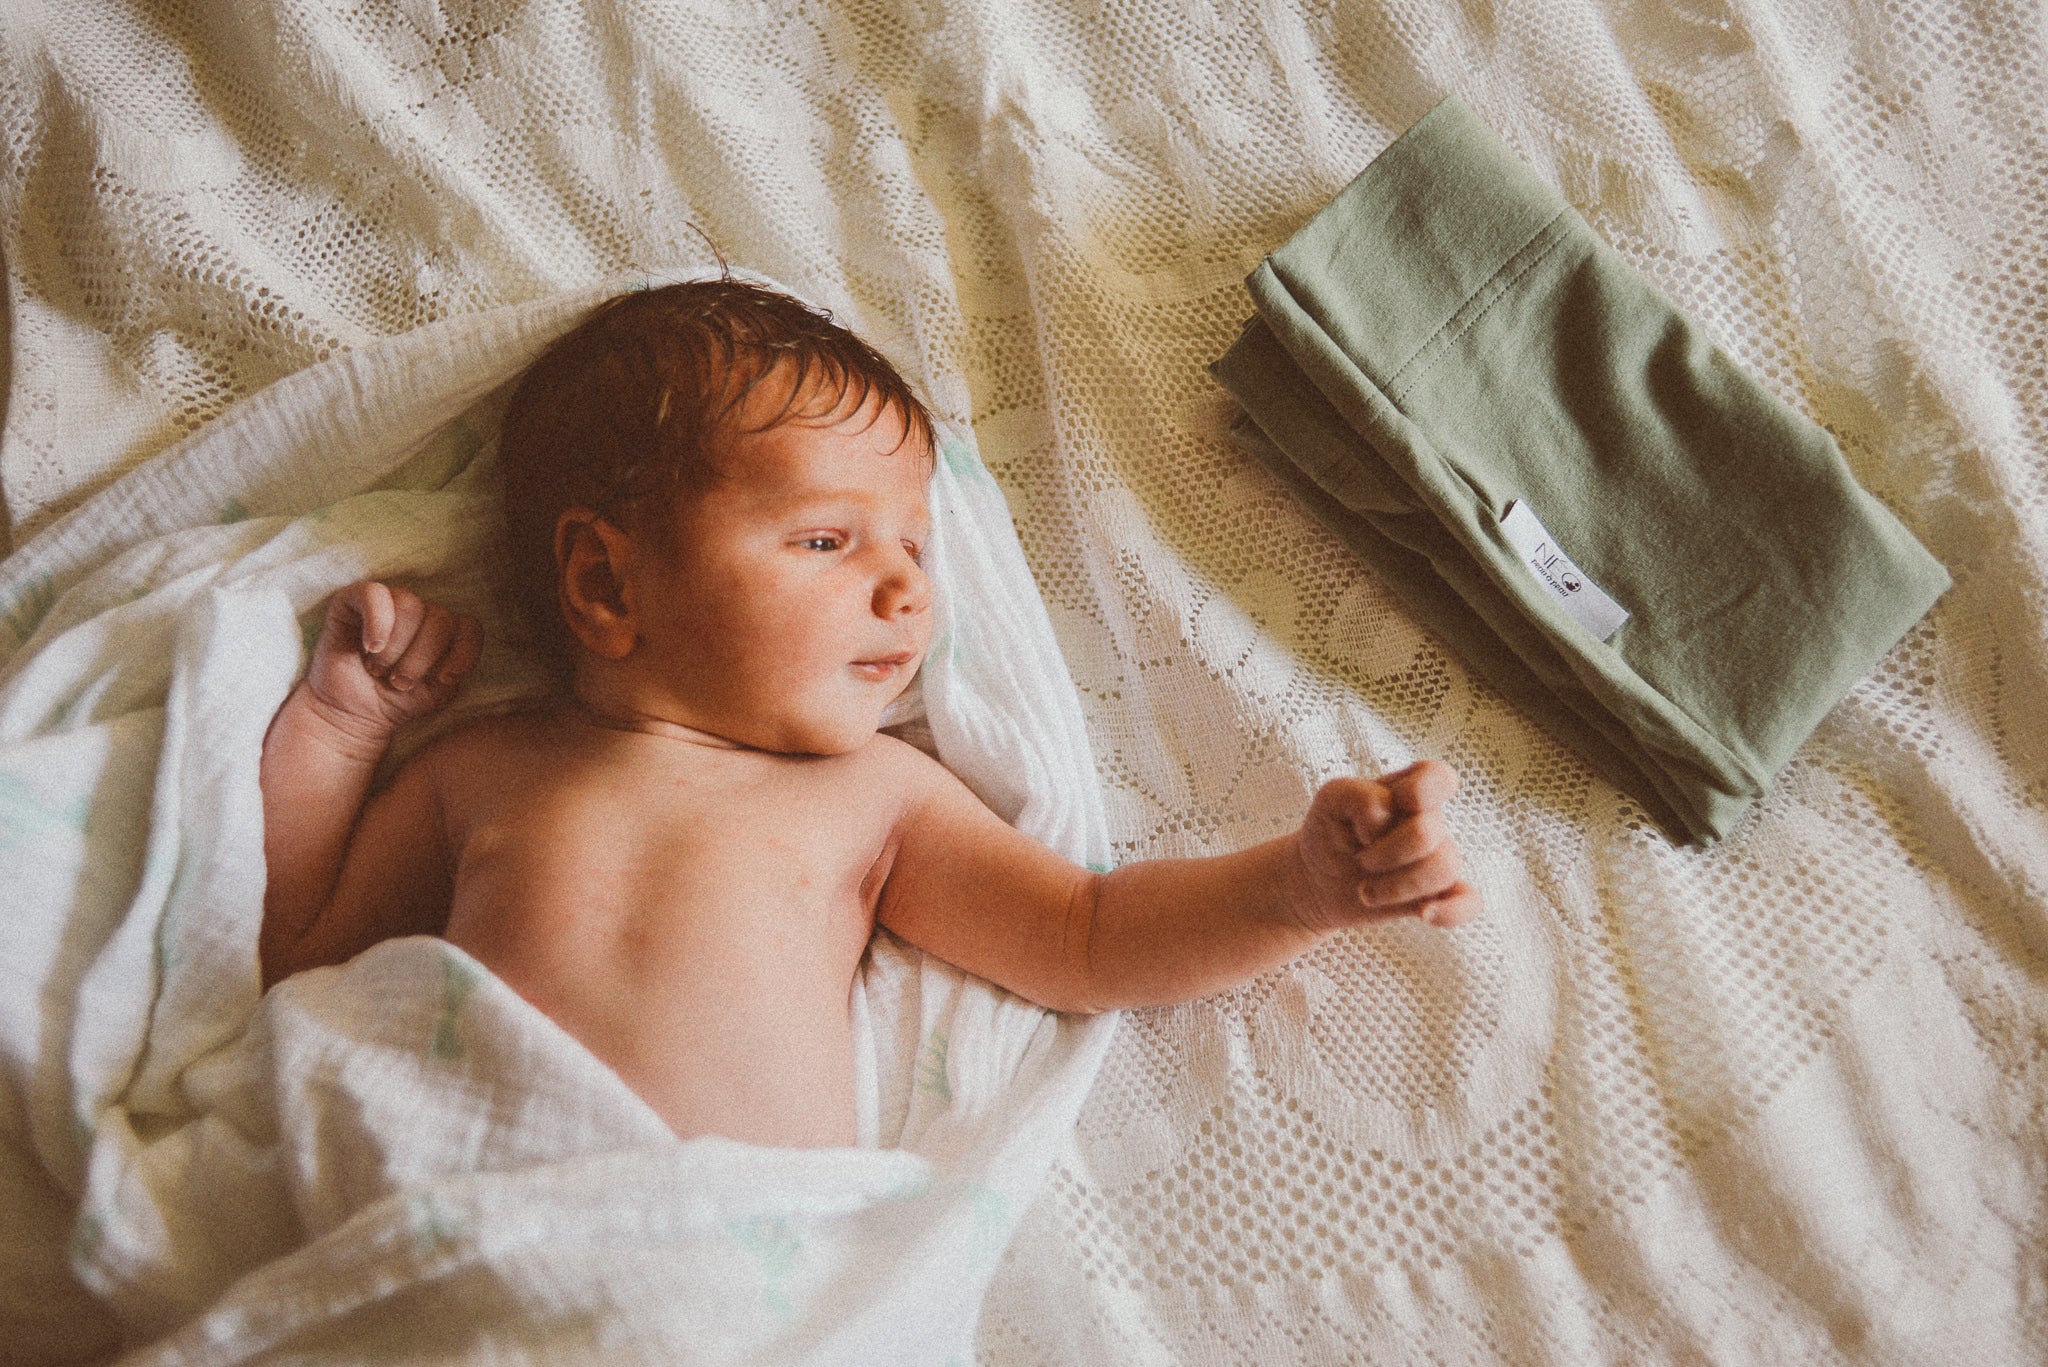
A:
[(483, 748), (889, 760), (910, 783)]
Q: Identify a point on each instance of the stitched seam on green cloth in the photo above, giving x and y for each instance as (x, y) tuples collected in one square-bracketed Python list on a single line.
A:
[(1497, 288)]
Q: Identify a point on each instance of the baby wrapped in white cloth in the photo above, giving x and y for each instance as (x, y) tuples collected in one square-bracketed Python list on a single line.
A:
[(400, 1156)]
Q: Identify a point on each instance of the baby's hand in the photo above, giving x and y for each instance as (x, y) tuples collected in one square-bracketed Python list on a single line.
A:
[(387, 656), (1378, 849)]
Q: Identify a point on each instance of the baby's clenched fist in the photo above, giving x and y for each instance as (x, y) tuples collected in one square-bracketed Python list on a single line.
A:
[(1377, 849), (386, 656)]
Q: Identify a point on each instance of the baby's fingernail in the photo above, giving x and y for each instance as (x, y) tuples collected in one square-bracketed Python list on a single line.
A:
[(401, 683)]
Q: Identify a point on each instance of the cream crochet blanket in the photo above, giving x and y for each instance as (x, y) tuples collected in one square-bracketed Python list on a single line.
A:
[(1785, 1100)]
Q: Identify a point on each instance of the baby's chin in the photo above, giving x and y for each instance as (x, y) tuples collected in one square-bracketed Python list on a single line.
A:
[(830, 734), (831, 716)]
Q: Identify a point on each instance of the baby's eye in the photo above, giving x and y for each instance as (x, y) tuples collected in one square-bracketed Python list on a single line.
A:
[(916, 552), (821, 543)]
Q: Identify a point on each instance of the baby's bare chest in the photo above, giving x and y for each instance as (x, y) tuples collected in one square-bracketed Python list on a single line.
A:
[(740, 866)]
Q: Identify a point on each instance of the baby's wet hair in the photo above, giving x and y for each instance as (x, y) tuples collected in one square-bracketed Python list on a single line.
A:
[(643, 397)]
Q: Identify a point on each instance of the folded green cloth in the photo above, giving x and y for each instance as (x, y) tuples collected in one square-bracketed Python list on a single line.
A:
[(1626, 534)]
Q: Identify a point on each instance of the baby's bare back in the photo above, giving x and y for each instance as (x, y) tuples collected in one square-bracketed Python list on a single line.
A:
[(693, 915)]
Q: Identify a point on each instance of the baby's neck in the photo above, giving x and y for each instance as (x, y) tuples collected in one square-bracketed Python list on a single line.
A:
[(626, 700), (614, 710), (651, 726)]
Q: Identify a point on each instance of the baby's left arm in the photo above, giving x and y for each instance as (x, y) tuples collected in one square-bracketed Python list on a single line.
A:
[(976, 892), (385, 657)]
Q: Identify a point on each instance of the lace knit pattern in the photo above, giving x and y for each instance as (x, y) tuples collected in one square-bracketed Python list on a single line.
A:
[(1781, 1101)]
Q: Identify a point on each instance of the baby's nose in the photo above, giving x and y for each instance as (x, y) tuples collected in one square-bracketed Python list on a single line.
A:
[(904, 592)]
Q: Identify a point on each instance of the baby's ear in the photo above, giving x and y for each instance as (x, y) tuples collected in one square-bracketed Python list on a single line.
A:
[(592, 561)]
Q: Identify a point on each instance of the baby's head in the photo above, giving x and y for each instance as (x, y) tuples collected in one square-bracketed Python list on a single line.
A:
[(715, 505)]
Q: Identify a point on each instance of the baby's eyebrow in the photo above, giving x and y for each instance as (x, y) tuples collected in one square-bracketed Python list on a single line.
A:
[(824, 499), (819, 501), (818, 495)]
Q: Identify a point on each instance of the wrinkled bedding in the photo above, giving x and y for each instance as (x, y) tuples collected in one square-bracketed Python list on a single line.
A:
[(1776, 1101)]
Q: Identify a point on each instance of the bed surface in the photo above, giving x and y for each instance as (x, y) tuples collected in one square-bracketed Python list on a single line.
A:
[(1777, 1101)]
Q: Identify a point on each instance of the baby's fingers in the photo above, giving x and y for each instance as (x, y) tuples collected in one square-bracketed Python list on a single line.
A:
[(420, 657), (410, 615), (442, 674), (1349, 813), (361, 617), (1432, 876), (1453, 907), (464, 653), (1422, 786), (1409, 839)]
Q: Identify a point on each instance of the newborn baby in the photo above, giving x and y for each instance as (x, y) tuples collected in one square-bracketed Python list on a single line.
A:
[(715, 509)]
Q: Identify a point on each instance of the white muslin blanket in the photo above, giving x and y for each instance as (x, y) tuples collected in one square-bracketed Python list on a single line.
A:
[(399, 1158)]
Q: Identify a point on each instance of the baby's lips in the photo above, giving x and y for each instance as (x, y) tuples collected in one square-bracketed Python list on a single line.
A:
[(883, 667)]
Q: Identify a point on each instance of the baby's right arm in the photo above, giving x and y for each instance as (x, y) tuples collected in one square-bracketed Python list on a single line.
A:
[(343, 875), (967, 887)]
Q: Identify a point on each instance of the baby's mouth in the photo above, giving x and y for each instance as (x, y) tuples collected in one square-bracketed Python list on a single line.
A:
[(884, 666)]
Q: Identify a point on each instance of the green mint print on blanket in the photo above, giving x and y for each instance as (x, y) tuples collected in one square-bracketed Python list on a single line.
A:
[(87, 1236), (1477, 395), (29, 607), (775, 1245), (992, 1219), (434, 1227), (168, 854), (931, 1067), (25, 815), (458, 979), (962, 461)]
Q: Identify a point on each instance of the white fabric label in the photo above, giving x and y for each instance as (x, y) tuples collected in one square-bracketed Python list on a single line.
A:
[(1582, 598)]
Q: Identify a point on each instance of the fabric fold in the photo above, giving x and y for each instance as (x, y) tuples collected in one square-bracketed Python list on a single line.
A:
[(1528, 443)]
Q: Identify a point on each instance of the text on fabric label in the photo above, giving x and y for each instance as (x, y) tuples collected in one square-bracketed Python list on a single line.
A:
[(1583, 599)]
